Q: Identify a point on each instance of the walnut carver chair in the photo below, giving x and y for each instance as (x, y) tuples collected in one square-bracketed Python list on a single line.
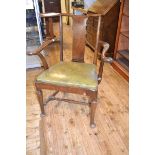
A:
[(76, 76)]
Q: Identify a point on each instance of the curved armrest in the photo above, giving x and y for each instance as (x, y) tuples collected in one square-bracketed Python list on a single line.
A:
[(40, 48), (38, 53), (105, 46)]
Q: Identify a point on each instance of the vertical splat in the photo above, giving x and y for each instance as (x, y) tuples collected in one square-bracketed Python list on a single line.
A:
[(79, 36)]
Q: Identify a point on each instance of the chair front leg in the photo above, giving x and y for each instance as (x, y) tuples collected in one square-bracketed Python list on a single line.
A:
[(92, 113), (40, 99)]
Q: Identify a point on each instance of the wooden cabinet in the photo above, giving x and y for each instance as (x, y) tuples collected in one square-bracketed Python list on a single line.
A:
[(121, 52), (53, 6), (110, 13)]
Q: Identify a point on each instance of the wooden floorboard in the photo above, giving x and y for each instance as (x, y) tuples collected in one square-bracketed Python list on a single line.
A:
[(66, 126)]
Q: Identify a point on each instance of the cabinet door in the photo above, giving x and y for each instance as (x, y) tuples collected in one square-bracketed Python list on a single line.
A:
[(53, 6)]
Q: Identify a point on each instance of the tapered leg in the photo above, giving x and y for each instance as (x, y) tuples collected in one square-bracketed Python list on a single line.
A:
[(89, 102), (92, 113), (40, 98)]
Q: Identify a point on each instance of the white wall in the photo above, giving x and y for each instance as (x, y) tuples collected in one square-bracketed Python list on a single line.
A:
[(29, 4)]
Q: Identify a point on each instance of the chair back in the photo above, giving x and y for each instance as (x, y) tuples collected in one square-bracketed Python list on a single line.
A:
[(79, 25)]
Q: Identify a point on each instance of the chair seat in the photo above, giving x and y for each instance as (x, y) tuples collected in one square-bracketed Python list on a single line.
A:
[(72, 74)]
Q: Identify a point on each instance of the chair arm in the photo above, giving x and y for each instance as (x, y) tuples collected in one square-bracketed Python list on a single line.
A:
[(40, 48), (38, 53), (105, 46)]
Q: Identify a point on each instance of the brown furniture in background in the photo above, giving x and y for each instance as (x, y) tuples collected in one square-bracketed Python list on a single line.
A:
[(109, 9), (121, 52), (76, 76), (51, 6)]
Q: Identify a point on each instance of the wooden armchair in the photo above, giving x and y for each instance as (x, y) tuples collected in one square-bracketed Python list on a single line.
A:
[(76, 76)]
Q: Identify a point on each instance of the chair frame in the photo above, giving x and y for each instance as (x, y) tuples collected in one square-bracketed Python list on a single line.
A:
[(82, 91)]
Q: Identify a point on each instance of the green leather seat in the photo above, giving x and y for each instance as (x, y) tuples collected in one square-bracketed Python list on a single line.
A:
[(71, 74)]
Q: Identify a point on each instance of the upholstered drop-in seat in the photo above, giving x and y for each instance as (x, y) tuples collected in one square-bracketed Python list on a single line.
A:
[(71, 74)]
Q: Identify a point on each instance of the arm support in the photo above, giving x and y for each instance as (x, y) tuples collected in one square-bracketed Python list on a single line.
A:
[(38, 52), (105, 46)]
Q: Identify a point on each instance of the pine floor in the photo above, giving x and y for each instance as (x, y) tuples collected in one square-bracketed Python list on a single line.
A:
[(66, 126)]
